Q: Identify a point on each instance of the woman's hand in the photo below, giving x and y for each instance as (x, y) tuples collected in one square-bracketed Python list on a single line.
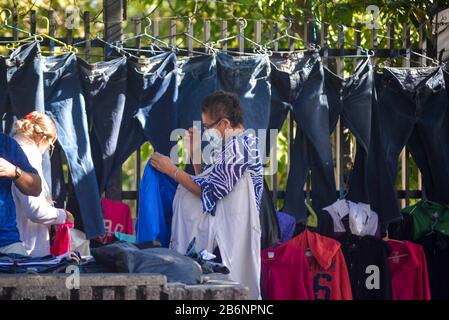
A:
[(162, 163), (7, 169), (70, 218)]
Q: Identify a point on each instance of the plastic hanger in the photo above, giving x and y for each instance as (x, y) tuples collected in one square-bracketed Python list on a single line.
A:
[(310, 46), (258, 48)]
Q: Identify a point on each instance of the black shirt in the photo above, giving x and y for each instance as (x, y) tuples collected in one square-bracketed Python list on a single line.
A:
[(368, 267)]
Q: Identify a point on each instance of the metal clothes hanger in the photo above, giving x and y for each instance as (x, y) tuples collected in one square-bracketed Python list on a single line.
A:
[(258, 48), (31, 37), (309, 46), (209, 49), (153, 39)]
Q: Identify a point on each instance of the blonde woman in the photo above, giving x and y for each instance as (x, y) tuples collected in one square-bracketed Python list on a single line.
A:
[(36, 133)]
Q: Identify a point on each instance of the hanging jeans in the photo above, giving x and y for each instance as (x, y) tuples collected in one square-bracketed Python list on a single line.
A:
[(150, 109), (25, 90), (354, 100), (25, 87), (104, 85), (197, 79), (64, 103), (298, 86), (157, 113), (248, 77), (413, 107)]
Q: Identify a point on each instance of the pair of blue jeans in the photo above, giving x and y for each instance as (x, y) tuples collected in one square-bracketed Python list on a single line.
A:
[(248, 77), (413, 106), (64, 103), (104, 87), (298, 86)]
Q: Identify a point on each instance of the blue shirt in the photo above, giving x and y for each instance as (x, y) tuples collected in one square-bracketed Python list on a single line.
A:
[(11, 152), (238, 154)]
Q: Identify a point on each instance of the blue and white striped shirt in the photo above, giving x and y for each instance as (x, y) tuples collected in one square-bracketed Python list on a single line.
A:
[(239, 153)]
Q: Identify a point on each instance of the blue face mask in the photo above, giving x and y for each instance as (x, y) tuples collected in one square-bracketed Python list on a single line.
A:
[(213, 137)]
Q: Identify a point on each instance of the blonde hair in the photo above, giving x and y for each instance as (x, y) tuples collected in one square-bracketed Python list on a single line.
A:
[(37, 126)]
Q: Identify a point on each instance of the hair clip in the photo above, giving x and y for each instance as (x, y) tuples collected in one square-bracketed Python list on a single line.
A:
[(29, 116)]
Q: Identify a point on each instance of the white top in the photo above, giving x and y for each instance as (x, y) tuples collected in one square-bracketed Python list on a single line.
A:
[(35, 214), (362, 220)]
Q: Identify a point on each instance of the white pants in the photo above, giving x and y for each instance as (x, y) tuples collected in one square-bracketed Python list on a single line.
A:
[(235, 229)]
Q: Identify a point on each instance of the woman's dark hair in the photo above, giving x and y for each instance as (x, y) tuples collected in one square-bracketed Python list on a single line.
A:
[(221, 104)]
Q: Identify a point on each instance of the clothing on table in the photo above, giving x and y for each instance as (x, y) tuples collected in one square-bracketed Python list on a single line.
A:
[(285, 274), (117, 218), (327, 266), (16, 248), (234, 229), (368, 267), (65, 104), (35, 214), (287, 225), (156, 194), (428, 216), (362, 220), (436, 248), (62, 242), (298, 86), (11, 263), (247, 77), (228, 164), (408, 269), (13, 153)]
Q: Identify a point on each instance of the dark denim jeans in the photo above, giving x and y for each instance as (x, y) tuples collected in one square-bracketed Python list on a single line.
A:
[(24, 80), (413, 106), (159, 92), (64, 102), (150, 110), (104, 86), (354, 100), (25, 90), (248, 77), (198, 79), (298, 86)]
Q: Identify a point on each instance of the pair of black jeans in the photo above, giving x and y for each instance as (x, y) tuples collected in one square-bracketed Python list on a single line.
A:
[(297, 85), (413, 105), (353, 99)]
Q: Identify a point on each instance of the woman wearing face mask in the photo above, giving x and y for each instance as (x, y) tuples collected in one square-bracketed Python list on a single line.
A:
[(219, 206), (36, 133)]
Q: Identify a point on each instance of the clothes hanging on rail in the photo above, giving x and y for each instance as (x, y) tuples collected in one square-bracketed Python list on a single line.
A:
[(413, 105), (285, 274), (64, 103), (298, 86), (409, 273), (327, 266), (104, 88), (248, 77), (368, 266)]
